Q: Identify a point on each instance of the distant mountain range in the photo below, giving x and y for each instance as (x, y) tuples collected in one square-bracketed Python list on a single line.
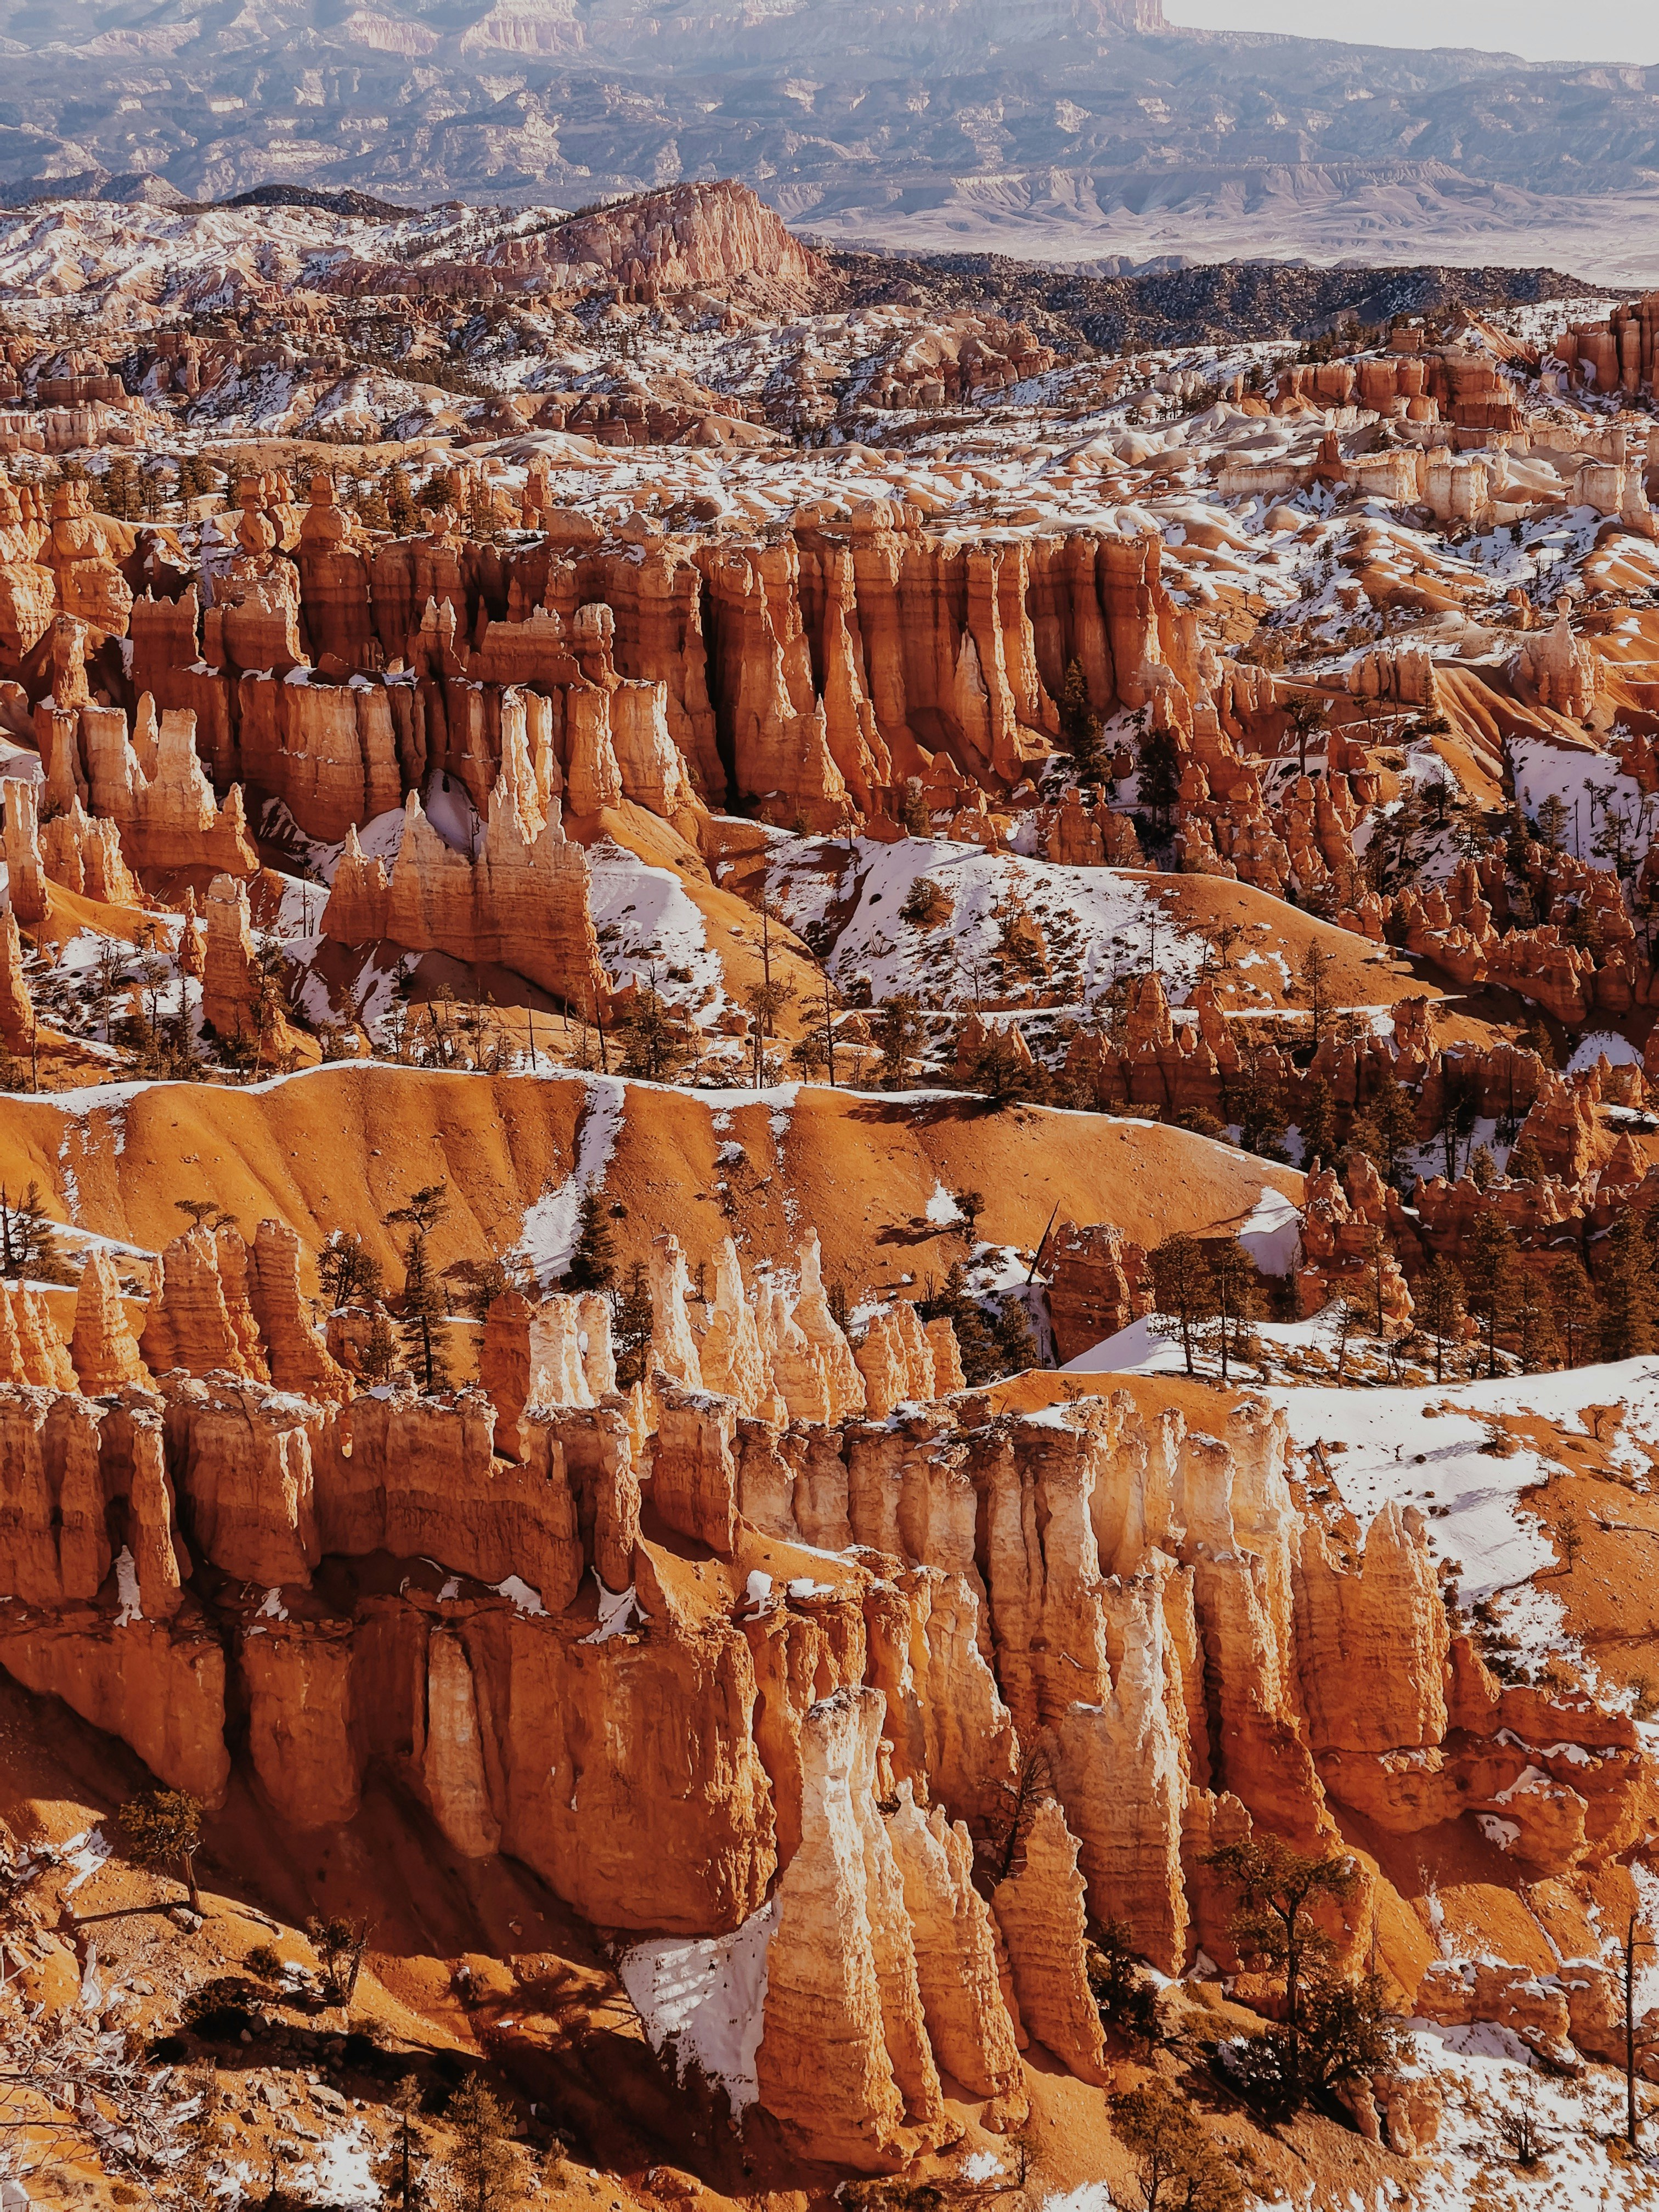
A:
[(1067, 129)]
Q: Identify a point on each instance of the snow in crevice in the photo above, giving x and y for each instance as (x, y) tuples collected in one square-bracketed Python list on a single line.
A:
[(551, 1225)]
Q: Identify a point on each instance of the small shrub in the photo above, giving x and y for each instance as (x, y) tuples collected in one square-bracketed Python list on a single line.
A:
[(264, 1961), (1519, 2128), (926, 903)]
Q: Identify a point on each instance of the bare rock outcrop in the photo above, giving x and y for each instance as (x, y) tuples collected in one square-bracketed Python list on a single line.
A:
[(844, 2062), (1039, 1909)]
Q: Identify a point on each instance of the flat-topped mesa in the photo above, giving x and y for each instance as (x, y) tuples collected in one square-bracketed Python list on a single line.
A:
[(519, 902), (153, 786)]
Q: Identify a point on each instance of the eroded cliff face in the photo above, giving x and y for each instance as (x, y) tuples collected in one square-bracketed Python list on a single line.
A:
[(936, 1690)]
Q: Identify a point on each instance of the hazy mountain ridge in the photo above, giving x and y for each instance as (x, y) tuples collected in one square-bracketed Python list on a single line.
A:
[(1047, 121)]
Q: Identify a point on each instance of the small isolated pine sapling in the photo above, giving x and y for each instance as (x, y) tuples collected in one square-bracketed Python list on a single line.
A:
[(163, 1827), (1569, 1537)]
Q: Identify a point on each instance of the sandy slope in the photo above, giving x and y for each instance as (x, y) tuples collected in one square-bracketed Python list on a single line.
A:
[(342, 1145)]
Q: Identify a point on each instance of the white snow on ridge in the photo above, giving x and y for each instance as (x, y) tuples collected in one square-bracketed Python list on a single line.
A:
[(1101, 922)]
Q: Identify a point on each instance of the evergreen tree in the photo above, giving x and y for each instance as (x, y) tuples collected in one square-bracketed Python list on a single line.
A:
[(28, 1242), (594, 1256), (1178, 2166), (379, 1355), (982, 1358), (1011, 1333), (425, 1340), (1081, 730), (1626, 1288), (897, 1033), (161, 1825), (1159, 784), (1439, 1304), (1255, 1103), (654, 1044), (1235, 1287), (485, 2171), (401, 510), (1314, 976), (632, 1318), (400, 2168), (1576, 1308), (1489, 1280), (348, 1271), (1184, 1288), (1388, 1127), (1318, 1123), (1536, 1341)]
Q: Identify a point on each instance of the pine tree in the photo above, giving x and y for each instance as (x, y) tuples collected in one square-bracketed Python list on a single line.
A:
[(400, 2168), (1489, 1280), (1010, 1332), (593, 1255), (632, 1317), (1314, 976), (1081, 730), (1626, 1286), (425, 1340), (485, 2171), (1439, 1304), (1536, 1342), (401, 510), (379, 1355), (1388, 1127), (1237, 1287), (348, 1271), (1318, 1123), (29, 1242), (897, 1033), (1184, 1288), (1576, 1308), (161, 1825), (1159, 784)]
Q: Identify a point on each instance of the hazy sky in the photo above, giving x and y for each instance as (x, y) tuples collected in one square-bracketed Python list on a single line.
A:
[(1614, 30)]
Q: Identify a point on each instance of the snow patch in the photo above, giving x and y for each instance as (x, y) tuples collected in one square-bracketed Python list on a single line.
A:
[(707, 1999)]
